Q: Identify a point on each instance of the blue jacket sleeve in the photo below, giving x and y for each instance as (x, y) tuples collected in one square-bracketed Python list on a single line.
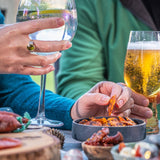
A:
[(22, 94), (1, 18)]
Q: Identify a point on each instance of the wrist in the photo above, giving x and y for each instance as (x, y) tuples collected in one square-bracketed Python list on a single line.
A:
[(75, 114)]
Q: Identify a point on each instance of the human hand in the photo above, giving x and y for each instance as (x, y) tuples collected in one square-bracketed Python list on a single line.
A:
[(16, 58), (158, 98), (140, 109), (94, 102)]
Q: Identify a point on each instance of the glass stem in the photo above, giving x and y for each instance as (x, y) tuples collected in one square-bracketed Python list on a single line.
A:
[(41, 107)]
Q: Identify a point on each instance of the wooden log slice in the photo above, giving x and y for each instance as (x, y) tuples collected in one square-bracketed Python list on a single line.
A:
[(36, 145)]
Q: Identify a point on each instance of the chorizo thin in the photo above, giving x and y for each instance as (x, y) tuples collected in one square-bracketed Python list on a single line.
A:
[(24, 120), (9, 143), (8, 123)]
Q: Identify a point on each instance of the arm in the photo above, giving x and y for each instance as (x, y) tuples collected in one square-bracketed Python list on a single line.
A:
[(94, 103), (99, 46), (81, 67), (1, 18), (22, 94)]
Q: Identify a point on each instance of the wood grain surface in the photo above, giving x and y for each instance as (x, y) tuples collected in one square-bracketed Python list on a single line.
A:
[(36, 145)]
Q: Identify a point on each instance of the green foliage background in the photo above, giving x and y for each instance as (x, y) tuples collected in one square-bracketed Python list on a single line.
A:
[(50, 82)]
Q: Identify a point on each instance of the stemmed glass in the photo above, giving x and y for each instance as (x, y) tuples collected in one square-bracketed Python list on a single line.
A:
[(36, 9), (142, 70)]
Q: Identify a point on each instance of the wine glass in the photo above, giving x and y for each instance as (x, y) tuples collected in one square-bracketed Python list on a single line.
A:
[(142, 70), (37, 9)]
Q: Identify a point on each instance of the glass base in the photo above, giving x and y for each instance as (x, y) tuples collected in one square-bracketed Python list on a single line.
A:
[(46, 122)]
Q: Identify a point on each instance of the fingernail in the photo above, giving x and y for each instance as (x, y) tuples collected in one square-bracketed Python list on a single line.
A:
[(51, 68), (146, 102), (58, 54), (120, 103), (68, 44), (60, 21), (149, 114)]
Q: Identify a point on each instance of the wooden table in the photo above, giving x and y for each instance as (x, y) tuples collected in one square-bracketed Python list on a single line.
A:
[(36, 144)]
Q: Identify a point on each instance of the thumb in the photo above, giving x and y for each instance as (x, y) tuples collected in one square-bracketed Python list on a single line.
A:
[(96, 99)]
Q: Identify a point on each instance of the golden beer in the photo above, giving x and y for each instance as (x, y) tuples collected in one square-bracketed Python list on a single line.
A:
[(142, 71), (142, 74)]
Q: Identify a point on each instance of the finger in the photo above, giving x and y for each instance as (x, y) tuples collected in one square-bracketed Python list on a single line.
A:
[(137, 117), (115, 90), (124, 97), (50, 46), (140, 99), (36, 71), (39, 24), (126, 113), (158, 97), (35, 60), (128, 105), (96, 99), (141, 111)]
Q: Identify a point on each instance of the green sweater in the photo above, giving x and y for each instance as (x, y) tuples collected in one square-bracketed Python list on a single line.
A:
[(99, 47)]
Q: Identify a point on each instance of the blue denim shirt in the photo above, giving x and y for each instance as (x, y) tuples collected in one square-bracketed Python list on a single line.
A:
[(21, 93)]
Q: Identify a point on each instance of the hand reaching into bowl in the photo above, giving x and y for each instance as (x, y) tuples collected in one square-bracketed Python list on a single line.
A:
[(140, 109), (94, 102)]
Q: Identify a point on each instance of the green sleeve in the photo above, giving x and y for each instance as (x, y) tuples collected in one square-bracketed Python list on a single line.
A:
[(99, 47), (82, 65)]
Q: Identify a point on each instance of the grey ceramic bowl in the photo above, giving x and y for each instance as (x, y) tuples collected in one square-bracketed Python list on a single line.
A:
[(134, 133)]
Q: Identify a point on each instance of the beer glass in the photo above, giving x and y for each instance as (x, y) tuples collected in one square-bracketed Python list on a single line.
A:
[(142, 70)]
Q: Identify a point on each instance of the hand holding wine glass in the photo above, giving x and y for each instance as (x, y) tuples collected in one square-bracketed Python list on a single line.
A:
[(142, 70), (16, 58), (40, 9)]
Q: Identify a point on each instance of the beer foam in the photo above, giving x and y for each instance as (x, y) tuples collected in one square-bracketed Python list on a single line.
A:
[(151, 45)]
